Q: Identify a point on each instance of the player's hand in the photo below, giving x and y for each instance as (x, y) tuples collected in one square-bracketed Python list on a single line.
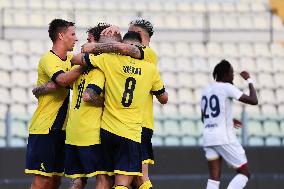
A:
[(88, 47), (111, 30), (245, 75), (237, 124)]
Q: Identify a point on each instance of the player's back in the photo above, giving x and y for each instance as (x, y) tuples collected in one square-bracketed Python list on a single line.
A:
[(128, 84), (216, 107)]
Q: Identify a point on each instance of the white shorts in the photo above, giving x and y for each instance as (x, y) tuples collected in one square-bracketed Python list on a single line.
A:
[(233, 154)]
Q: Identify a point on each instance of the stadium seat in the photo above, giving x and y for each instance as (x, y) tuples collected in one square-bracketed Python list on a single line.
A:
[(185, 96), (216, 21), (172, 128), (246, 22), (255, 141), (261, 22), (19, 79), (199, 65), (242, 7), (188, 141), (255, 129), (264, 65), (189, 128), (213, 7), (33, 62), (266, 80), (157, 141), (3, 110), (18, 142), (183, 6), (278, 66), (266, 96), (19, 129), (5, 79), (273, 141), (166, 49), (187, 110), (198, 49), (261, 50), (5, 97), (20, 62), (166, 64), (200, 80), (279, 96), (37, 19), (21, 19), (172, 141), (2, 128), (170, 110), (35, 4), (173, 98), (246, 50), (185, 80), (31, 108), (248, 64), (228, 7), (172, 22), (279, 78), (230, 50), (5, 47), (183, 64), (271, 128), (19, 95), (182, 48), (6, 63), (277, 50)]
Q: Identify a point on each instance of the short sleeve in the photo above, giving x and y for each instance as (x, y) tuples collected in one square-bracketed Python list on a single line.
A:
[(53, 68), (97, 80), (233, 92), (158, 85), (150, 55), (95, 60)]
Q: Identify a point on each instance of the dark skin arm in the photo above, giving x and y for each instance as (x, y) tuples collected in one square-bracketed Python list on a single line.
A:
[(162, 98), (93, 98), (252, 97), (112, 47)]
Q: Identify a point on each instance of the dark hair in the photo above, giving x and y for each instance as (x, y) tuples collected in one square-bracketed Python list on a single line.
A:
[(56, 26), (221, 69), (97, 30), (144, 24), (135, 36)]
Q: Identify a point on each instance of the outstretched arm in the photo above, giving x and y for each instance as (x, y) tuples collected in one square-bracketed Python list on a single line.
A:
[(115, 47), (45, 88), (91, 96), (67, 78)]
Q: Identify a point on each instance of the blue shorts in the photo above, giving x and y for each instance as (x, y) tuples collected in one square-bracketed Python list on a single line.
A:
[(120, 155), (83, 161), (45, 154), (146, 146)]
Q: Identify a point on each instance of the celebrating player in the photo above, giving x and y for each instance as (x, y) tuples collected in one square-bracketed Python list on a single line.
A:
[(220, 141)]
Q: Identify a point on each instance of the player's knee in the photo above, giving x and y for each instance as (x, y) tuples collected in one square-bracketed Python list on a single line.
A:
[(41, 182), (104, 181), (79, 183), (244, 170)]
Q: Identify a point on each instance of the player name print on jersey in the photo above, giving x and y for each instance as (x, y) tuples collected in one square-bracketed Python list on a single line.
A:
[(132, 70)]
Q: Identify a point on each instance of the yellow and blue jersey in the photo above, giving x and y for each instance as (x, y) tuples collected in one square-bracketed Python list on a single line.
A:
[(52, 108), (128, 83), (83, 126)]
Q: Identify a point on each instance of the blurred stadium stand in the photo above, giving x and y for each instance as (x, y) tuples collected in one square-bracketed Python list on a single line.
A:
[(190, 38)]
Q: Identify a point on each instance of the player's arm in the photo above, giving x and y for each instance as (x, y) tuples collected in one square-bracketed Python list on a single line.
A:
[(91, 96), (162, 96), (79, 59), (45, 88), (252, 97), (65, 79), (111, 30), (115, 47)]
